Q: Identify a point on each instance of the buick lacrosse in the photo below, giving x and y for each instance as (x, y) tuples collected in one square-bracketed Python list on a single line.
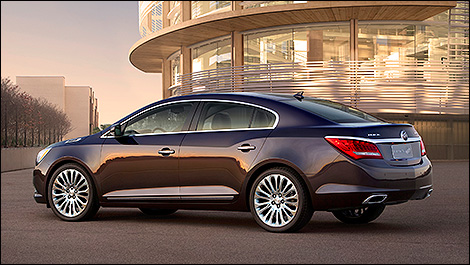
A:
[(282, 157)]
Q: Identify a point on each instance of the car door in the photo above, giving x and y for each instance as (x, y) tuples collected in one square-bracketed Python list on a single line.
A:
[(143, 163), (216, 156)]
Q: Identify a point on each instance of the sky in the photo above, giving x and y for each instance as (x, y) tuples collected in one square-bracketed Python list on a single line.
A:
[(87, 42)]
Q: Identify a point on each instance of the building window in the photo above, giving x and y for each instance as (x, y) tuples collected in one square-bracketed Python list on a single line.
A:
[(202, 8), (327, 42), (423, 41), (175, 67), (143, 31), (214, 55), (157, 22)]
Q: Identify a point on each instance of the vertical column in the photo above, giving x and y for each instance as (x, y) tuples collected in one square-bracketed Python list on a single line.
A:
[(185, 10), (165, 10), (353, 42), (236, 5), (314, 45), (166, 78), (186, 66), (185, 56), (185, 60), (354, 56), (237, 49), (237, 60)]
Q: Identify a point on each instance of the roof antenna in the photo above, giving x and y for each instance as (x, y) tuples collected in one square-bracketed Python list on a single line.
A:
[(299, 96)]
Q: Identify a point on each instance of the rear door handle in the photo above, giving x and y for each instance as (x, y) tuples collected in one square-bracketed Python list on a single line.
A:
[(166, 151), (246, 147)]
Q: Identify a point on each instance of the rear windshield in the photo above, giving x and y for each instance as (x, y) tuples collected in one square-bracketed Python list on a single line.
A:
[(333, 111)]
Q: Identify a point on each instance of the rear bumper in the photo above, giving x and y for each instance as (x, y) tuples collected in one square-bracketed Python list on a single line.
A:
[(344, 185)]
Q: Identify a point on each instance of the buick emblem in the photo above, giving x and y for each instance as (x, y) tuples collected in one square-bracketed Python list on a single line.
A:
[(403, 135)]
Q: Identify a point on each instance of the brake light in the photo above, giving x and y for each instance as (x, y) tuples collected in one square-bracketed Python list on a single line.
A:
[(355, 148), (423, 149)]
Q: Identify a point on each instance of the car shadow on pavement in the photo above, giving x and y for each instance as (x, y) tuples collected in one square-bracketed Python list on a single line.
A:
[(244, 221)]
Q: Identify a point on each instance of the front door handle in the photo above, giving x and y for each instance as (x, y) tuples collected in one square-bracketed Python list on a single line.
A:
[(246, 148), (166, 151)]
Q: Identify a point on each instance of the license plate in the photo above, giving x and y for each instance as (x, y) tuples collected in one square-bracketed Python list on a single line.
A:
[(402, 151)]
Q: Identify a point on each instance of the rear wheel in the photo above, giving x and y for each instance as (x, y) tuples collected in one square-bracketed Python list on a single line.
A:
[(279, 201), (153, 211), (360, 215), (71, 194)]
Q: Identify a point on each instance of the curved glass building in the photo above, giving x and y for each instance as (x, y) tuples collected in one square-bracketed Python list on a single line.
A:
[(405, 61)]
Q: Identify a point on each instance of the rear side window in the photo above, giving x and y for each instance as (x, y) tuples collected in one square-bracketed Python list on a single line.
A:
[(223, 116), (333, 111)]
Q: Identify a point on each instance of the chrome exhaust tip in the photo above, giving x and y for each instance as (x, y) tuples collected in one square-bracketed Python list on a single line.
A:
[(428, 193), (375, 198)]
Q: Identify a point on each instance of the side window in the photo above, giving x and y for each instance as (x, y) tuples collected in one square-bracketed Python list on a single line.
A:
[(169, 118), (262, 119), (221, 115)]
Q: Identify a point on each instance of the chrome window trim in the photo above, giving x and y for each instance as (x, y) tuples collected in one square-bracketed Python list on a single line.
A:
[(379, 141), (276, 122)]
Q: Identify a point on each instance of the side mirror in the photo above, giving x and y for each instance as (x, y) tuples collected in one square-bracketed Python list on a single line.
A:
[(117, 131)]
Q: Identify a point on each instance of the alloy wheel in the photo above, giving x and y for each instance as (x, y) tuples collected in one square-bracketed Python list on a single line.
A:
[(70, 193), (276, 200)]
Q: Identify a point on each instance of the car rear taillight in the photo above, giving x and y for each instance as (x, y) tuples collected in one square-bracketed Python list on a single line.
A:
[(355, 148), (423, 149)]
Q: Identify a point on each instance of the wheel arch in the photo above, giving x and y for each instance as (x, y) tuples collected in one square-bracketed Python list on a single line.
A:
[(265, 165), (63, 161)]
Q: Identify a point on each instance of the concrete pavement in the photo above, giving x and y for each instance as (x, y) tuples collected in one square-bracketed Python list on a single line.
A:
[(435, 230)]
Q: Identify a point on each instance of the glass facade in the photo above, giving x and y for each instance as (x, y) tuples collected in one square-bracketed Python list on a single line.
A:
[(380, 41), (202, 8), (327, 42), (213, 55), (175, 64)]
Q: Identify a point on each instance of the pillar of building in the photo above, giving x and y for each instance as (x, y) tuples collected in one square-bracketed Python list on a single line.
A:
[(185, 60), (353, 66), (236, 5), (185, 10), (353, 42), (185, 63), (314, 45), (237, 49), (165, 10), (166, 78)]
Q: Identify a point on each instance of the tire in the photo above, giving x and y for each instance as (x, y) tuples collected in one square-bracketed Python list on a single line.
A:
[(153, 211), (279, 201), (360, 215), (71, 194)]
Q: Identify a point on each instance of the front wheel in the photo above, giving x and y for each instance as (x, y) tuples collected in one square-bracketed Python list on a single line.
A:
[(360, 215), (279, 201), (71, 194)]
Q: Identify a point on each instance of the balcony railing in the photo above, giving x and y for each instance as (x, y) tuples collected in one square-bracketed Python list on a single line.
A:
[(437, 87)]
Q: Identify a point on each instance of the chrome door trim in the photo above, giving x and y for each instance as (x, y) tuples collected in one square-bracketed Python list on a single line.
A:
[(210, 192), (155, 192)]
